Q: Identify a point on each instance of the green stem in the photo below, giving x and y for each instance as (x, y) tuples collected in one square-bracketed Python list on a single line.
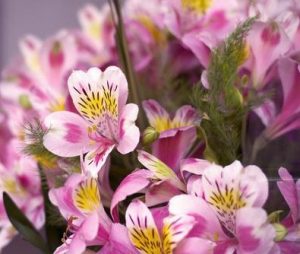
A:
[(258, 145), (124, 54)]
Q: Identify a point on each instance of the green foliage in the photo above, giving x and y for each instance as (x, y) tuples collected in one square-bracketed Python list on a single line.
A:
[(34, 135), (54, 222), (222, 106), (23, 225)]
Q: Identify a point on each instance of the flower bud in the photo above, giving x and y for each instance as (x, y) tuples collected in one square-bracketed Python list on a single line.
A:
[(281, 232), (150, 135)]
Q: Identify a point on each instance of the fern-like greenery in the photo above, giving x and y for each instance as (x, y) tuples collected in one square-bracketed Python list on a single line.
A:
[(222, 106)]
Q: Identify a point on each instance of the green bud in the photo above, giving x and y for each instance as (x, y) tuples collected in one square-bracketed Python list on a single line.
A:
[(24, 101), (274, 217), (150, 135), (280, 230)]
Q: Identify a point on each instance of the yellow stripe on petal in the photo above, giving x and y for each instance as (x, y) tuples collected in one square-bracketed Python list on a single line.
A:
[(86, 196), (146, 240), (199, 6)]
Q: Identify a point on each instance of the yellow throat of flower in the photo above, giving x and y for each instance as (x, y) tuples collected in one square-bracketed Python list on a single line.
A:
[(199, 6)]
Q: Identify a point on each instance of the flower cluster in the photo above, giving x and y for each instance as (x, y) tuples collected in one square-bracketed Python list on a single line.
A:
[(134, 133)]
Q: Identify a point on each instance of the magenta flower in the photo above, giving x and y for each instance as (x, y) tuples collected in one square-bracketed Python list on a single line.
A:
[(178, 133), (290, 190), (105, 121), (288, 118)]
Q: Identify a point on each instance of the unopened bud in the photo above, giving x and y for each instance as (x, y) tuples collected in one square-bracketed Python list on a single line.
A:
[(150, 135)]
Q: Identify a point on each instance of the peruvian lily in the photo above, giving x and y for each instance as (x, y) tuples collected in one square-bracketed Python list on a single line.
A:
[(20, 181), (145, 235), (228, 211), (200, 25), (88, 224), (178, 133), (290, 190), (159, 183), (268, 42), (105, 121), (288, 118)]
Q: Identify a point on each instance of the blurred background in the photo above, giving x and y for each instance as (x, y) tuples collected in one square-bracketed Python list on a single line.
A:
[(41, 18)]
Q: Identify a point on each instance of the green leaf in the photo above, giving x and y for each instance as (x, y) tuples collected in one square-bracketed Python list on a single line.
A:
[(222, 106), (54, 224), (23, 225)]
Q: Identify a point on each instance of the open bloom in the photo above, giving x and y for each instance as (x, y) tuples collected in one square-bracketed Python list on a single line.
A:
[(225, 207), (80, 204), (105, 120), (178, 133)]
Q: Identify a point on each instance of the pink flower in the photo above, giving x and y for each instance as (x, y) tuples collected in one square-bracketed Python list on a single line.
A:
[(178, 133), (229, 200), (88, 224), (145, 235), (288, 118), (80, 204), (290, 190), (105, 121)]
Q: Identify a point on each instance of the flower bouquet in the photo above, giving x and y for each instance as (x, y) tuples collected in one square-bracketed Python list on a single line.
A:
[(162, 126)]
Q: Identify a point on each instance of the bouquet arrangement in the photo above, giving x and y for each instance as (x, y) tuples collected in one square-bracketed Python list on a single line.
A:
[(152, 129)]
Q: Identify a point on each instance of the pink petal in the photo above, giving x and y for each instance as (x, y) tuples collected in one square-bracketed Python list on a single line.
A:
[(268, 43), (181, 143), (129, 133), (142, 228), (67, 135), (207, 222), (94, 160), (157, 116), (288, 190), (133, 183), (118, 242), (195, 245), (255, 235)]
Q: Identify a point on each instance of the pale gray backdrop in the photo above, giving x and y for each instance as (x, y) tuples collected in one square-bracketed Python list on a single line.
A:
[(42, 18)]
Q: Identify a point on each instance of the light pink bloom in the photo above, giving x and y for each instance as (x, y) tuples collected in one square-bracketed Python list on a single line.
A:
[(178, 133), (231, 197), (105, 121), (88, 224), (290, 190), (144, 233)]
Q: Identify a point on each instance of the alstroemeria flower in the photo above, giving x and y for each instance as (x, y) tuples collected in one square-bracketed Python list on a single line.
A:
[(80, 204), (144, 233), (228, 211), (178, 133), (105, 121), (268, 42), (288, 118), (290, 190), (159, 183)]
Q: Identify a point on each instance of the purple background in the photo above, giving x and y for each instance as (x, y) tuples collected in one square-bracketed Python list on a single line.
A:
[(41, 18)]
